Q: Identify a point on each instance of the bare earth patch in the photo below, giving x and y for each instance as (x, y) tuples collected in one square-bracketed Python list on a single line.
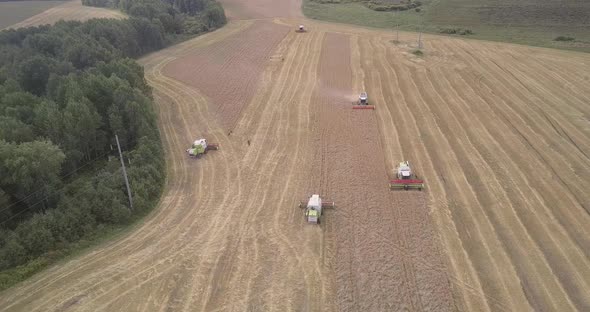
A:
[(228, 72)]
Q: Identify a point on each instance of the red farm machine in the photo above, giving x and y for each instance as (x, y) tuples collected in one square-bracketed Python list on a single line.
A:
[(363, 102), (405, 178)]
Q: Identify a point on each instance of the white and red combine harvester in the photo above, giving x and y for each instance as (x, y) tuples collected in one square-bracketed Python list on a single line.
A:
[(314, 207), (363, 102), (300, 29), (406, 179), (200, 147)]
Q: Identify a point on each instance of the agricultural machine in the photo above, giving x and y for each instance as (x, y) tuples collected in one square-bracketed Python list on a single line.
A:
[(201, 147), (363, 102), (314, 207), (300, 29), (406, 179)]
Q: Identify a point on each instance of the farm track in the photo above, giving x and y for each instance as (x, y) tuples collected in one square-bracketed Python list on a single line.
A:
[(71, 10), (501, 134)]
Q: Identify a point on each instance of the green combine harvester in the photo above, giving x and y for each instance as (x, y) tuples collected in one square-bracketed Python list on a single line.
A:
[(201, 147)]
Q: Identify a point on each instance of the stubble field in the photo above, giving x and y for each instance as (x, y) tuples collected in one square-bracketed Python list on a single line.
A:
[(499, 132), (69, 10)]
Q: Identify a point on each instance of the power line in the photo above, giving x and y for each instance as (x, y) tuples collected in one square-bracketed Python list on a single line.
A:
[(63, 177), (38, 202)]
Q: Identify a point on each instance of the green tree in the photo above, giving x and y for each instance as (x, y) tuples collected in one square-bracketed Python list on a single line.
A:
[(150, 35), (30, 171), (20, 106), (81, 131), (215, 16), (12, 130), (48, 44), (34, 73), (86, 52), (12, 252), (48, 121), (35, 235)]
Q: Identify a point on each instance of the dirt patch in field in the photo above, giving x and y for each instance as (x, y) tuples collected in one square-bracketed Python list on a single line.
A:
[(386, 256), (228, 72)]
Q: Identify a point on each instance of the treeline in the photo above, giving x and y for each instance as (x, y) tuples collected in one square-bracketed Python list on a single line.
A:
[(65, 92), (173, 16)]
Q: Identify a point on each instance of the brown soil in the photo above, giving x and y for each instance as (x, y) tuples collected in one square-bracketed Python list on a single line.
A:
[(228, 72), (71, 10)]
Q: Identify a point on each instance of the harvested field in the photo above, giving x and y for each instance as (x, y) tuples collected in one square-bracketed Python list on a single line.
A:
[(228, 72), (500, 133), (386, 255), (71, 10), (12, 12)]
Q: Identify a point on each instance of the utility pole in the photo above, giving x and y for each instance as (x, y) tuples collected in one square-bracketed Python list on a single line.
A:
[(395, 16), (124, 173), (420, 40)]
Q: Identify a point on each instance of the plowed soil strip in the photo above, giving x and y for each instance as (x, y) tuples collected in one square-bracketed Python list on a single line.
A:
[(386, 255), (237, 62)]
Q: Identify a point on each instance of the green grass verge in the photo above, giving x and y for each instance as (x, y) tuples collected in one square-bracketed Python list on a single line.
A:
[(530, 22), (12, 12)]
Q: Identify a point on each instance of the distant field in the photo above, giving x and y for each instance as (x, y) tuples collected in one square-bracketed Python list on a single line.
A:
[(13, 12), (531, 22)]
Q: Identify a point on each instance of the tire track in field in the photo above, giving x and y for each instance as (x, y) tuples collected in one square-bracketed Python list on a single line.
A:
[(373, 244), (541, 230), (486, 92), (556, 263), (174, 253), (404, 103), (477, 174), (265, 163), (516, 125), (538, 128), (183, 155), (98, 259)]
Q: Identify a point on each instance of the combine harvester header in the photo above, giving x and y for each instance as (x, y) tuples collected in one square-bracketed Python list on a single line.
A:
[(363, 102), (406, 179), (313, 208)]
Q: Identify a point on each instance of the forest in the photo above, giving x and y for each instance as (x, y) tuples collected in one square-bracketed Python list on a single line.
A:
[(65, 91)]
